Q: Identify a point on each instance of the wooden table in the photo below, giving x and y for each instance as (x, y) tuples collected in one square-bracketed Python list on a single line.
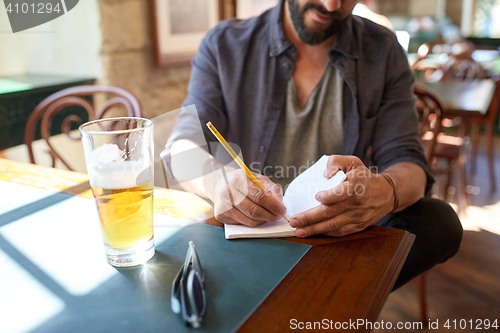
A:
[(340, 279), (464, 99)]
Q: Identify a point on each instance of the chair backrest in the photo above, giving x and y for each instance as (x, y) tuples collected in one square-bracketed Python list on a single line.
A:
[(454, 62), (430, 111), (464, 70), (51, 105)]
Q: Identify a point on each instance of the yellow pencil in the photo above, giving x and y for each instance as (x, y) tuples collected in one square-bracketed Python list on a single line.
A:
[(235, 156)]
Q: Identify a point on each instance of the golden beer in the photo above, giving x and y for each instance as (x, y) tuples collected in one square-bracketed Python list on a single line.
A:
[(126, 215), (119, 156)]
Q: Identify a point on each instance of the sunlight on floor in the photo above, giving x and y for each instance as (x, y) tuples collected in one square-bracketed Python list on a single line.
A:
[(481, 218)]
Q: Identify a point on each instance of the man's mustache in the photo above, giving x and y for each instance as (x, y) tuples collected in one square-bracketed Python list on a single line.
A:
[(320, 9)]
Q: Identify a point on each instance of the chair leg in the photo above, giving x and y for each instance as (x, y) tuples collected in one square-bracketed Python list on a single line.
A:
[(422, 298), (461, 183), (491, 157), (475, 131), (447, 184)]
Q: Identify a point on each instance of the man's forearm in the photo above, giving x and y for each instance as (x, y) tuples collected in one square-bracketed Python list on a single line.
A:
[(410, 182), (197, 170), (193, 172)]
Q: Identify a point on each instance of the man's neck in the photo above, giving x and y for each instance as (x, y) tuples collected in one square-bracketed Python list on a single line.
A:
[(310, 62), (315, 53)]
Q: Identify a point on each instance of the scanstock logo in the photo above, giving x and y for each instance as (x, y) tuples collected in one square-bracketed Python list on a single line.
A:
[(26, 14)]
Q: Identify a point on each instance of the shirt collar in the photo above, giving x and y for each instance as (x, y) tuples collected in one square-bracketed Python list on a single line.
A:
[(346, 43)]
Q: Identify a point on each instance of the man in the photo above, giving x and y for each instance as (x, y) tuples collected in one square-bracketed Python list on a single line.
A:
[(307, 79)]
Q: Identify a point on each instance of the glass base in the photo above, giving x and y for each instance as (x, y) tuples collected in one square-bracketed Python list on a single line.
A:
[(131, 257)]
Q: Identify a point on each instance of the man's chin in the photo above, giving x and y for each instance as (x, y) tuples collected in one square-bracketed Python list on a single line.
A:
[(316, 29)]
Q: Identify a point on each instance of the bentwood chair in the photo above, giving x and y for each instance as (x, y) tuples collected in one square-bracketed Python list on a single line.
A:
[(461, 67), (438, 145), (468, 70), (464, 70), (489, 122), (430, 116), (439, 61), (430, 119), (50, 106)]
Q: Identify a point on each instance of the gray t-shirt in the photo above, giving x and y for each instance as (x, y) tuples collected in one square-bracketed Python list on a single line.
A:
[(304, 134)]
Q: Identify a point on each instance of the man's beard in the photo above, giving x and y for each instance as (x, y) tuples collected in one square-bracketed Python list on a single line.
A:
[(309, 36)]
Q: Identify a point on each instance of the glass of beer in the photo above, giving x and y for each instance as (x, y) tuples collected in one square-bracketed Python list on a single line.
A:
[(119, 158)]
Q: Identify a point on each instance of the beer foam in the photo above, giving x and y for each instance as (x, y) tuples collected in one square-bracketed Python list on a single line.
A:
[(108, 168), (106, 154)]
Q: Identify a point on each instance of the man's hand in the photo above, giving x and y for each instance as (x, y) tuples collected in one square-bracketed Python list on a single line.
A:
[(240, 201), (362, 200)]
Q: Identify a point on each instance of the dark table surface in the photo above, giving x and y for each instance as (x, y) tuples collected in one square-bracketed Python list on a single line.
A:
[(20, 84), (20, 94), (465, 99)]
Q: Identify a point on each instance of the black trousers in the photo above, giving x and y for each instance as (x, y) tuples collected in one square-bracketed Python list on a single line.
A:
[(438, 234)]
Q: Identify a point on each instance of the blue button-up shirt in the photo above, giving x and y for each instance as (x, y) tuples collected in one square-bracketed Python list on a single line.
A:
[(239, 78)]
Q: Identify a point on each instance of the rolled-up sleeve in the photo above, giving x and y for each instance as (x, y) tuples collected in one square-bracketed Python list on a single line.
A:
[(396, 136)]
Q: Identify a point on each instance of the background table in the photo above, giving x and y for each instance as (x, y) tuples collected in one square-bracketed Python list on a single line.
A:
[(464, 99), (339, 279)]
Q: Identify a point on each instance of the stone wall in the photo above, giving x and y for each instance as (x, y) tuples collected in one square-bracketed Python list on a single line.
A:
[(418, 8), (127, 59), (393, 7), (454, 11)]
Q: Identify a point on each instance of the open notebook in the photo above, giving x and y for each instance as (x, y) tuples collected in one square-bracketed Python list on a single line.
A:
[(298, 198)]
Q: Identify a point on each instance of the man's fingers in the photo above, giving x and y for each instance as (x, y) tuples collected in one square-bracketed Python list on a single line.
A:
[(330, 171), (255, 212), (254, 202), (345, 230), (317, 214), (354, 187), (270, 186), (341, 162), (227, 214), (339, 193), (266, 200), (327, 226)]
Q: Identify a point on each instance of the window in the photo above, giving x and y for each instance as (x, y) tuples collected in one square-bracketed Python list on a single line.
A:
[(486, 21)]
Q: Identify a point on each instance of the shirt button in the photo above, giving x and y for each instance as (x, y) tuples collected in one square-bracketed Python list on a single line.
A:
[(276, 105), (286, 65), (262, 149)]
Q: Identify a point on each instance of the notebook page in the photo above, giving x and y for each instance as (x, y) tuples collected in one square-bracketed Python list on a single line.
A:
[(280, 228), (300, 194), (299, 197)]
